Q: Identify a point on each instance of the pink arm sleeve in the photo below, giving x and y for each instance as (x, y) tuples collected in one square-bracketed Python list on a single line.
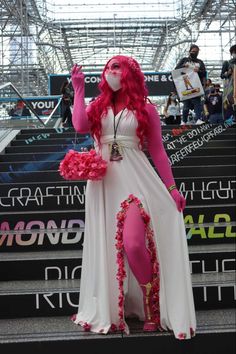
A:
[(156, 147), (79, 116)]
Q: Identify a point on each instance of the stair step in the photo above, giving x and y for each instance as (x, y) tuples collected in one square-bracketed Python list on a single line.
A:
[(203, 160), (208, 279), (66, 264), (206, 150), (213, 248), (202, 185), (71, 134), (53, 163), (49, 141), (46, 130), (63, 145), (20, 157), (76, 254), (54, 135), (47, 161), (163, 127), (58, 155), (60, 297), (46, 265), (178, 171), (38, 286), (62, 328), (50, 255), (199, 214), (45, 148), (67, 201), (64, 228), (44, 188)]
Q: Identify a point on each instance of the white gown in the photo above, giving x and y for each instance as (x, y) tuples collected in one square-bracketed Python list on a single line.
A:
[(98, 303)]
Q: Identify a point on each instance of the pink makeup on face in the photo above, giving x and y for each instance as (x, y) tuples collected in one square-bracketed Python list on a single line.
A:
[(113, 67)]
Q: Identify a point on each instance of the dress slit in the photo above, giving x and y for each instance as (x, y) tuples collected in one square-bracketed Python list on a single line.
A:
[(151, 246)]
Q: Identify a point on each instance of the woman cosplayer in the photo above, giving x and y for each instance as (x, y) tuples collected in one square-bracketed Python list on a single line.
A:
[(135, 255)]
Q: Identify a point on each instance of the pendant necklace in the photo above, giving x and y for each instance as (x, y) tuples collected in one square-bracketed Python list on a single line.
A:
[(115, 154)]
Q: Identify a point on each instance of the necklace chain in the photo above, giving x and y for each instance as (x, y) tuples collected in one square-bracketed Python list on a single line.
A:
[(116, 125)]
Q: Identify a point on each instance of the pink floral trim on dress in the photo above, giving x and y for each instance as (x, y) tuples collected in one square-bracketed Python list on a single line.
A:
[(86, 326), (121, 274), (183, 336)]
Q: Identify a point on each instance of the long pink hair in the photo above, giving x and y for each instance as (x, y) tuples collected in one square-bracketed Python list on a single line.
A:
[(134, 92)]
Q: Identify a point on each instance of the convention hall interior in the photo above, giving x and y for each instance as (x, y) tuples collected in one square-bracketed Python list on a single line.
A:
[(42, 214)]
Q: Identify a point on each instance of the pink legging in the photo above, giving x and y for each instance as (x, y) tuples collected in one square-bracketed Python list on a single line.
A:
[(134, 244)]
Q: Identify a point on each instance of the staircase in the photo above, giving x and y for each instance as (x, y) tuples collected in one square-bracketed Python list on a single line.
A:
[(41, 238)]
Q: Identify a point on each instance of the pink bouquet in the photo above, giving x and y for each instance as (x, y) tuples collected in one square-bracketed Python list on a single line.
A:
[(82, 166)]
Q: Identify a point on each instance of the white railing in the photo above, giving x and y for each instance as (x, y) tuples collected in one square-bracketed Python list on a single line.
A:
[(9, 84)]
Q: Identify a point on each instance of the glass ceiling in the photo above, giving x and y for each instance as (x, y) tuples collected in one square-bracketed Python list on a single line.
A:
[(41, 37), (93, 9)]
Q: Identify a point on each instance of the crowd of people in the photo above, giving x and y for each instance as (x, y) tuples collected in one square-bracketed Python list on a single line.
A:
[(214, 106)]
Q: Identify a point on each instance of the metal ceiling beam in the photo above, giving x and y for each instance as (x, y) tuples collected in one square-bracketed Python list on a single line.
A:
[(152, 41)]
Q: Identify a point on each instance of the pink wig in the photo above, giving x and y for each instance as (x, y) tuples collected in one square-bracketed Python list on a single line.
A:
[(133, 90)]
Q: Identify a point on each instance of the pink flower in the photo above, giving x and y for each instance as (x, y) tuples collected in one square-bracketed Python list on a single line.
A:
[(82, 166), (113, 328), (119, 245), (86, 327), (182, 336), (124, 204), (122, 326), (73, 317), (120, 215)]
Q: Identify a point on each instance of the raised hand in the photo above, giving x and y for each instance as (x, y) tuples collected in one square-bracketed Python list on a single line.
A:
[(77, 77), (179, 199), (79, 115)]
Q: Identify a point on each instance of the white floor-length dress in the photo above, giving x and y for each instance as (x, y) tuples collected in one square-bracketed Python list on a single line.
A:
[(98, 303)]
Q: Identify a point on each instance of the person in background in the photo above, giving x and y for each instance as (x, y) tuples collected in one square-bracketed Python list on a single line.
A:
[(172, 109), (218, 88), (198, 66), (208, 82), (213, 106), (66, 103), (208, 86), (228, 67), (134, 220)]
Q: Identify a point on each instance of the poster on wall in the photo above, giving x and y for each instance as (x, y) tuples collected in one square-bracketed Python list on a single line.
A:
[(42, 106)]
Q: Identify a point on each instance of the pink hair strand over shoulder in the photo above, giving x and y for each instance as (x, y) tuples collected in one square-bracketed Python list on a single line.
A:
[(134, 95)]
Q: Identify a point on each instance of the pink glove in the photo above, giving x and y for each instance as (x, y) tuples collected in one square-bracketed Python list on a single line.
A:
[(77, 78), (159, 155), (79, 115), (179, 199)]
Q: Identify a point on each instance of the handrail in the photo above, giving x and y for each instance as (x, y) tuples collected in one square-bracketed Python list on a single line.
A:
[(22, 99), (55, 108)]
